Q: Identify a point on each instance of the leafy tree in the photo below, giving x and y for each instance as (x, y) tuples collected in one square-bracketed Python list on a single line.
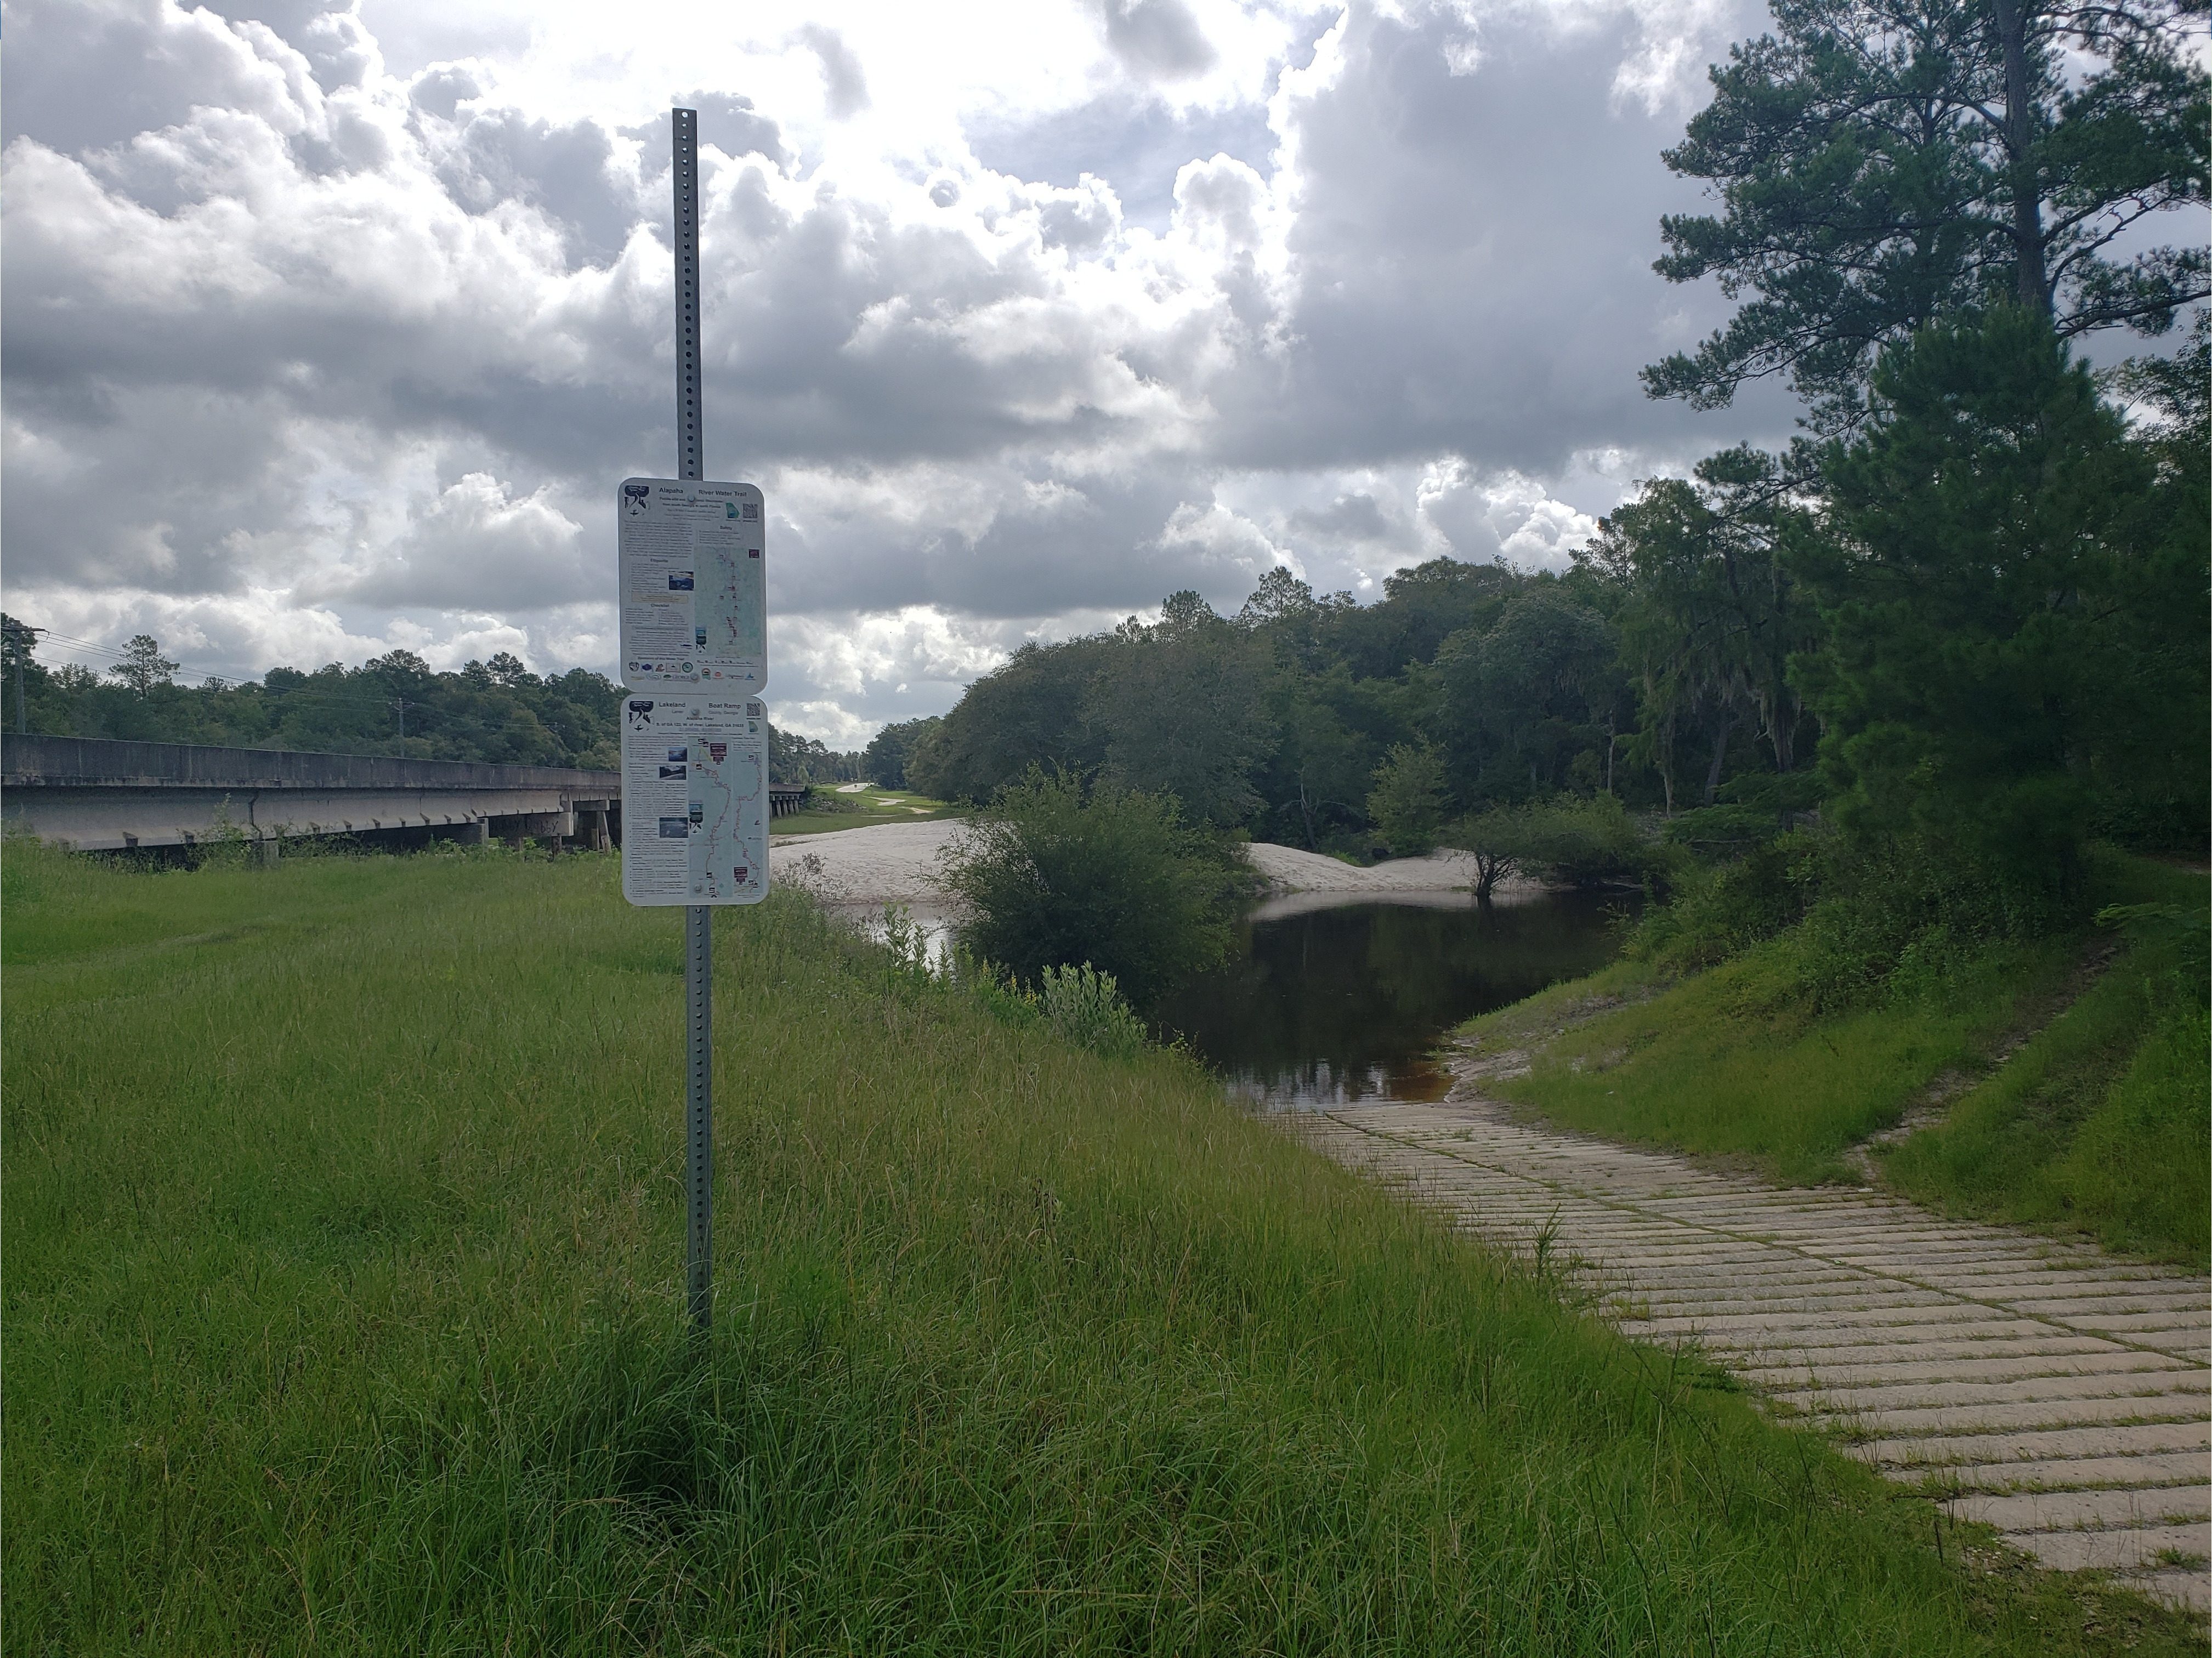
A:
[(883, 760), (1421, 607), (1407, 802), (1181, 712), (1030, 711), (1986, 532), (1705, 608), (1882, 163), (144, 668), (1517, 698), (1053, 878), (1496, 839)]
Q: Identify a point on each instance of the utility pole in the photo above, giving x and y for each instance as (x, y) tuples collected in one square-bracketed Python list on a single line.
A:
[(20, 638), (400, 703), (698, 919)]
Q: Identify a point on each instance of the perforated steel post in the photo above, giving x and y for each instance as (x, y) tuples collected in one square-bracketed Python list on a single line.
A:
[(698, 919)]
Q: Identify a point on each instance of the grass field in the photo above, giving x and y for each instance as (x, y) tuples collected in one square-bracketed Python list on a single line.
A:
[(2097, 1123), (342, 1231), (872, 805)]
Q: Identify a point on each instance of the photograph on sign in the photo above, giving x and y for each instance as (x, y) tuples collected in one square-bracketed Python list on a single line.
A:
[(694, 799), (694, 585)]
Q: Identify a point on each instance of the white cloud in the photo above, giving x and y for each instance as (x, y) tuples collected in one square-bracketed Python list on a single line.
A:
[(334, 333)]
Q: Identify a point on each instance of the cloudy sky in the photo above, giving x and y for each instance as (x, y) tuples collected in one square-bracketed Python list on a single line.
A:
[(330, 331)]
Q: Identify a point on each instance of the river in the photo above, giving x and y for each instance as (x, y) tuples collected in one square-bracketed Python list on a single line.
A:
[(1324, 1003)]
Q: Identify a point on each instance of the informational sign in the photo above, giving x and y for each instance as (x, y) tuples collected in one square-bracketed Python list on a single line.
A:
[(694, 585), (695, 798)]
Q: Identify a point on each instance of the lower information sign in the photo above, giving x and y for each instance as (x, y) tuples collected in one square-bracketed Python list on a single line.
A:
[(695, 800)]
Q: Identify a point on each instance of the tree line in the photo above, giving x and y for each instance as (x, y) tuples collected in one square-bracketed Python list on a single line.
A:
[(497, 712)]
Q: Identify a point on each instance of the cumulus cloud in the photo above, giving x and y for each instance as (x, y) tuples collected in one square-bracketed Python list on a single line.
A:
[(1156, 37), (316, 341)]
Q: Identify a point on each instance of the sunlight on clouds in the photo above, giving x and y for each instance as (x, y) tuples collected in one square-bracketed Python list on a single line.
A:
[(331, 335)]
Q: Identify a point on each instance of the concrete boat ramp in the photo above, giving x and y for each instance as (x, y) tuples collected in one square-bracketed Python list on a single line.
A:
[(2053, 1391)]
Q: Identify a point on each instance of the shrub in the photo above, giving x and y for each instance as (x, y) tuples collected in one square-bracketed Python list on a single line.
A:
[(1050, 877), (1761, 894), (1084, 1007), (1585, 843), (1718, 833)]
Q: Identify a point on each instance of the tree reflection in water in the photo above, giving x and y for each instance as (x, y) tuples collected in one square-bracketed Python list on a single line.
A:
[(1323, 1005)]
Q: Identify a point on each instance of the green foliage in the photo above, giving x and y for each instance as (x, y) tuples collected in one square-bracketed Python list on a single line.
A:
[(1180, 707), (1496, 839), (2103, 1121), (1694, 577), (1971, 595), (1521, 698), (793, 759), (1750, 899), (1573, 842), (1051, 876), (1407, 802), (1027, 713), (1016, 1350), (1084, 1009), (1876, 174), (496, 710), (1736, 1063), (144, 669), (883, 760)]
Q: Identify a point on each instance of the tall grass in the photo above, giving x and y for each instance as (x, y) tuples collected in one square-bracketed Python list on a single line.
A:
[(1733, 1063), (2099, 1121), (343, 1232), (2102, 1121)]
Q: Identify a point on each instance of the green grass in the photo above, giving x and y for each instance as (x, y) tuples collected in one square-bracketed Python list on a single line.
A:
[(1728, 1065), (861, 808), (342, 1229), (2103, 1121), (2098, 1122)]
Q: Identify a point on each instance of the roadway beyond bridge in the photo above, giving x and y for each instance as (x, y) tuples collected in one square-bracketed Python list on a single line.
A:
[(96, 795)]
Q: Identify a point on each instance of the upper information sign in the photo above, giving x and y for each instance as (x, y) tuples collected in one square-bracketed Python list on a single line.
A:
[(694, 585)]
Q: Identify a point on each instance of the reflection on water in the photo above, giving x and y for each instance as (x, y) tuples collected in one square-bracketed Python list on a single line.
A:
[(1323, 1005)]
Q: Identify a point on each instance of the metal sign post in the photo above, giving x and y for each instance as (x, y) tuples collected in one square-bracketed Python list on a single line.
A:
[(698, 919), (694, 608)]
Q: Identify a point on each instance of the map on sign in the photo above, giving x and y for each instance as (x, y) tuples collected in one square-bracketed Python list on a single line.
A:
[(694, 585), (694, 799)]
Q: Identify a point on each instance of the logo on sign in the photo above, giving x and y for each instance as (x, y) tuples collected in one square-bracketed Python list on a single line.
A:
[(635, 496), (639, 713)]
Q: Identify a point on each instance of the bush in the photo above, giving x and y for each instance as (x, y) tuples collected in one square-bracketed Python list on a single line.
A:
[(1050, 877), (1761, 894), (1585, 843), (1084, 1007), (1718, 833)]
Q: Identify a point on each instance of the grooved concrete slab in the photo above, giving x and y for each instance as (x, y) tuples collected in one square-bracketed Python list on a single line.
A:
[(2057, 1393)]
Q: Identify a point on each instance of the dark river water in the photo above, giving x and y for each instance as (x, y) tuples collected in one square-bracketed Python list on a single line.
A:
[(1320, 1006)]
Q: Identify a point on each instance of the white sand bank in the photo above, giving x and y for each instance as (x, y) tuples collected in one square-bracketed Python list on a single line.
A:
[(891, 864)]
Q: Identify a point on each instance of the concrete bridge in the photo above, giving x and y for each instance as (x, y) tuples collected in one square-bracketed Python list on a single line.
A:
[(101, 796)]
